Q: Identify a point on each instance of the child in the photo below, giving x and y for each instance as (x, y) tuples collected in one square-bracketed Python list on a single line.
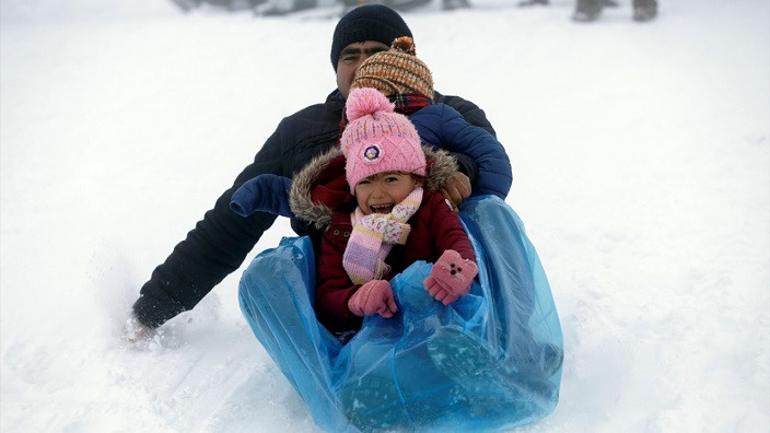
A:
[(408, 82), (396, 221)]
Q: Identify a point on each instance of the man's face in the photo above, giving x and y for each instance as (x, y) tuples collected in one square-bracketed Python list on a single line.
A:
[(350, 58)]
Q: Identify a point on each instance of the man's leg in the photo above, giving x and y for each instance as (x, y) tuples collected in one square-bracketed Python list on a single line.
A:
[(524, 3), (645, 10), (587, 10), (187, 5)]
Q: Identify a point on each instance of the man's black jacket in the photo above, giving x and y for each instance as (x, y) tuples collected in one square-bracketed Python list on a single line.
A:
[(220, 242)]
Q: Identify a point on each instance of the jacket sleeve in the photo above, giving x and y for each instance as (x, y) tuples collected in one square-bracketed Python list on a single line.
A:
[(470, 111), (447, 229), (334, 287), (264, 193), (214, 248), (442, 125), (476, 117), (467, 166)]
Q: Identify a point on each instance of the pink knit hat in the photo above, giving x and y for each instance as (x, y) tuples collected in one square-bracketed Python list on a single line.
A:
[(377, 139)]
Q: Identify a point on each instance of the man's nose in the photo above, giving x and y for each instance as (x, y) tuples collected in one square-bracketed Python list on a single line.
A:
[(361, 59), (365, 55)]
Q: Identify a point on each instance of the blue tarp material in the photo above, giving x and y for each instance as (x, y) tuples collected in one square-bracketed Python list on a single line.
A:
[(488, 361)]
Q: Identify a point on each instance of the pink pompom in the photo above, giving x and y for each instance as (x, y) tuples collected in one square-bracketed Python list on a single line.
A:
[(366, 101)]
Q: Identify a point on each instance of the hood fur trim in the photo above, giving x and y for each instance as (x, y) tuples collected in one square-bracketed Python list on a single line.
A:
[(301, 185), (441, 166)]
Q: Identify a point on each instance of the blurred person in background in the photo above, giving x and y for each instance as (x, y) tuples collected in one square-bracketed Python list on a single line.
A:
[(589, 10), (523, 3), (231, 5)]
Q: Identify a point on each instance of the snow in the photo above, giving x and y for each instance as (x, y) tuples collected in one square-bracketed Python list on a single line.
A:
[(641, 157)]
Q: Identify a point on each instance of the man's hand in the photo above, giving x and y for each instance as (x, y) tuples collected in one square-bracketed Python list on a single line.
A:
[(136, 333), (456, 189)]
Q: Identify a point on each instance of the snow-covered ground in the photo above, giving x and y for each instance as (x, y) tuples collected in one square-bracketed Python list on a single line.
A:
[(641, 156)]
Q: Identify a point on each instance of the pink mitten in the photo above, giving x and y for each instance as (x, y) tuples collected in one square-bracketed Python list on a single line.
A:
[(451, 277), (374, 297)]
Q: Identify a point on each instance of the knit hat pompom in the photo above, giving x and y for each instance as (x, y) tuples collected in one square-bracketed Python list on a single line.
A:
[(395, 71), (404, 44), (366, 101)]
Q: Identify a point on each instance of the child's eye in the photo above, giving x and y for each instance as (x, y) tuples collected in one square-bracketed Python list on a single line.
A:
[(364, 182), (391, 179)]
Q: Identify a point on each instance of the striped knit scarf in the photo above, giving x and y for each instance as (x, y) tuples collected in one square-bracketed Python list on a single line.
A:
[(374, 235), (408, 103)]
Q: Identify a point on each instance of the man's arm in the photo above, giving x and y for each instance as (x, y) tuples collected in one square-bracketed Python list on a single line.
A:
[(470, 111), (213, 249), (475, 116), (494, 168)]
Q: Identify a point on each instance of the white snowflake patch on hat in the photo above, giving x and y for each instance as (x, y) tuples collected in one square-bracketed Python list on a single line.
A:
[(372, 153)]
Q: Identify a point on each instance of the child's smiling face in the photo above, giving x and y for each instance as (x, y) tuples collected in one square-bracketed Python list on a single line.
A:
[(380, 192)]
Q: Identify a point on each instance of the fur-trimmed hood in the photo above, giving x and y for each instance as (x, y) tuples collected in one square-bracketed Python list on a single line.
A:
[(320, 188)]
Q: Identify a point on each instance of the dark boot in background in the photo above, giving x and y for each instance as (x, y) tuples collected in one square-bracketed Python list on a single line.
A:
[(645, 10), (187, 5), (284, 7), (525, 3), (449, 5), (587, 10)]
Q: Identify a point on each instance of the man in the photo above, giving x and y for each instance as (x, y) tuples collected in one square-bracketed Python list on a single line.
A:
[(219, 243)]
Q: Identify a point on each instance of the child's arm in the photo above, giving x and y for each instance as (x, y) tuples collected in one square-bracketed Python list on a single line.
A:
[(333, 285), (447, 230), (450, 277), (339, 304), (373, 297), (442, 126), (470, 111), (453, 273)]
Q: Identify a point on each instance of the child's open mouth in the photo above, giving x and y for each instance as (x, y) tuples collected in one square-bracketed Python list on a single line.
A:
[(381, 208)]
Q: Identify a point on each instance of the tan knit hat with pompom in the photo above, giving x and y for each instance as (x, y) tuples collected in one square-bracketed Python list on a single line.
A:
[(395, 71)]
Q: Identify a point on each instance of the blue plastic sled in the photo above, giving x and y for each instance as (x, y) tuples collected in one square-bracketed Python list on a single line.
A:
[(488, 361)]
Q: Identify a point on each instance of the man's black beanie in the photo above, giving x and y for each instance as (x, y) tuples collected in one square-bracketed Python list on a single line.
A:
[(370, 22)]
